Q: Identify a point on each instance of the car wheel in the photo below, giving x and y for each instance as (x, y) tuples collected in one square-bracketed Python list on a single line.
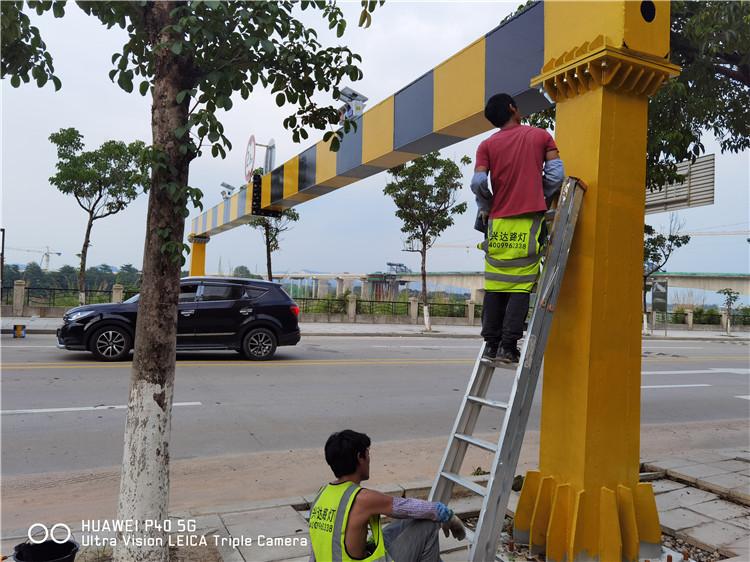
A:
[(111, 344), (259, 344)]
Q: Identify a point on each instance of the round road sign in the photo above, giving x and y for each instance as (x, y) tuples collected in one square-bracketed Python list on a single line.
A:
[(250, 158)]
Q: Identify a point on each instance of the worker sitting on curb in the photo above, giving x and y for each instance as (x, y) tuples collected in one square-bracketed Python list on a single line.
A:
[(342, 511)]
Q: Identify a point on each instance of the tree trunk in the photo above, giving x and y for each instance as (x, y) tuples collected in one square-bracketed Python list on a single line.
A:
[(427, 325), (144, 485), (267, 237), (84, 251), (729, 320)]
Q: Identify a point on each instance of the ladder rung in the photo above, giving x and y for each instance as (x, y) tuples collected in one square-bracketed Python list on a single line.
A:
[(498, 364), (490, 403), (478, 442), (465, 482)]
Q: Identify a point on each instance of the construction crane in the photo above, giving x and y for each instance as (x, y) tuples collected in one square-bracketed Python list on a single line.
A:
[(45, 255), (398, 267), (726, 233)]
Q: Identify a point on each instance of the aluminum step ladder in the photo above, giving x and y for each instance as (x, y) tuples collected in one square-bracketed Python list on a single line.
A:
[(484, 539)]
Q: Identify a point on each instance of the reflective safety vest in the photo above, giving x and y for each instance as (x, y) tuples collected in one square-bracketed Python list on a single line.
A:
[(328, 517), (512, 253)]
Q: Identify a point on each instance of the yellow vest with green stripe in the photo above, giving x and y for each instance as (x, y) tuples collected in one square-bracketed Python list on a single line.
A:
[(328, 517), (512, 253)]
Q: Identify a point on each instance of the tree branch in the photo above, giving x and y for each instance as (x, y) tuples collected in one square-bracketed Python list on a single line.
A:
[(140, 10), (742, 78)]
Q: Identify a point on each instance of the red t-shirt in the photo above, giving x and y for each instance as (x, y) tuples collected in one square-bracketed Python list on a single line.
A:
[(515, 157)]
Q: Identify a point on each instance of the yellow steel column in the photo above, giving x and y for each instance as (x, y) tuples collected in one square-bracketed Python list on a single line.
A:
[(585, 503), (198, 254)]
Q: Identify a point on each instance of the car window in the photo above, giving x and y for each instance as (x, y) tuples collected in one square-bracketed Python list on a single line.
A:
[(188, 292), (253, 293), (221, 292)]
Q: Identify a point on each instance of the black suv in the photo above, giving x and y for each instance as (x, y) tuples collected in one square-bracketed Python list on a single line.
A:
[(247, 315)]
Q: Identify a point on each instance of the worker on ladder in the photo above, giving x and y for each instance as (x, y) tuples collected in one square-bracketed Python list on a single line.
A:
[(524, 167), (342, 512)]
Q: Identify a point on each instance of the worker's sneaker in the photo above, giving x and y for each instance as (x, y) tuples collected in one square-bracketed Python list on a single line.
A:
[(509, 355), (490, 352)]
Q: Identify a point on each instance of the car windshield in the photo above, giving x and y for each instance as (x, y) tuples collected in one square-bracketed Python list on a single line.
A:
[(133, 298)]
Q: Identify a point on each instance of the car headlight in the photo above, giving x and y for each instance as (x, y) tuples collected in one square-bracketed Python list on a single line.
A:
[(77, 316)]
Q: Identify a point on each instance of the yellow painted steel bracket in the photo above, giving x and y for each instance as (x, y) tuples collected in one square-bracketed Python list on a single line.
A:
[(603, 61)]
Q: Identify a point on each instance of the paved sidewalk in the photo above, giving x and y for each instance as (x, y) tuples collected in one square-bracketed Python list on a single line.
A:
[(38, 325), (703, 499)]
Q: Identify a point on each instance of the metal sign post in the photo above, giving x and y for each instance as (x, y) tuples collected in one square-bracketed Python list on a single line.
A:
[(268, 160)]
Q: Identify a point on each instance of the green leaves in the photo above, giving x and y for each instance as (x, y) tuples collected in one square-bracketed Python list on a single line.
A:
[(175, 251), (730, 296), (658, 247), (125, 81), (710, 42), (103, 181), (24, 53), (368, 6), (426, 196)]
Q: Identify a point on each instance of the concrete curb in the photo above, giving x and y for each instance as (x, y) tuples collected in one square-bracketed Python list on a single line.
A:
[(437, 334)]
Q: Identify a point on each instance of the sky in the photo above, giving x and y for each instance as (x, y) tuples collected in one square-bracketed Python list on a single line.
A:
[(353, 229)]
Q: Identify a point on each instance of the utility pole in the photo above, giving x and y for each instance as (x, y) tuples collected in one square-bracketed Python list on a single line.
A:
[(2, 256)]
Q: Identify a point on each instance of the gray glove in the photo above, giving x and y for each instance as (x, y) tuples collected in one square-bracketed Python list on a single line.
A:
[(455, 527)]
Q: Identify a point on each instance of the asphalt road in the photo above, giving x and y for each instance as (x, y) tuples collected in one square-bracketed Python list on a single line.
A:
[(62, 411)]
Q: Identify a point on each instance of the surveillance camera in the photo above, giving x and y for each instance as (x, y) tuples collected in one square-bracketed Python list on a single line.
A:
[(349, 95)]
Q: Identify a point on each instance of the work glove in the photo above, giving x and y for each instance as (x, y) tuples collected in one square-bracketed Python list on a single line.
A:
[(480, 223), (455, 527)]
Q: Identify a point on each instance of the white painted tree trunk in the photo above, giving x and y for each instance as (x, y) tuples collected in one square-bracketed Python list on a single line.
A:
[(148, 426), (427, 325), (144, 483)]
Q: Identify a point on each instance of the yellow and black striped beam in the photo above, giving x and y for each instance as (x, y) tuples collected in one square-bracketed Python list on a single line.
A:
[(438, 109)]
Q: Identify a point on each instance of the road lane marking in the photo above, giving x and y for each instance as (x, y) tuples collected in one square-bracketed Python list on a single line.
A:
[(696, 359), (699, 372), (84, 409), (743, 397), (675, 385), (430, 345), (321, 362), (660, 347), (5, 346)]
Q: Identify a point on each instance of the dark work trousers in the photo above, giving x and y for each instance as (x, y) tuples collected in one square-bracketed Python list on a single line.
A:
[(503, 315)]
